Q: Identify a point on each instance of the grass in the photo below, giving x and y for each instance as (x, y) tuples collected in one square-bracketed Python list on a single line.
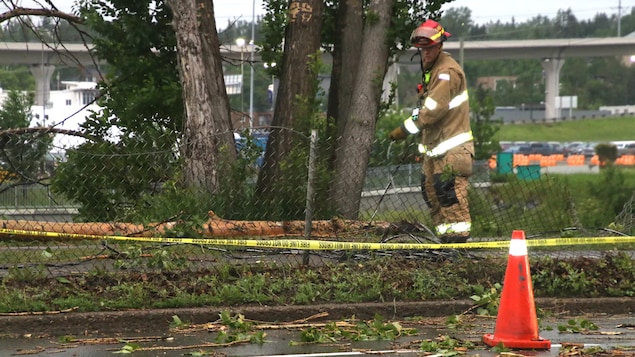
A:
[(597, 198), (580, 181), (378, 279), (603, 129)]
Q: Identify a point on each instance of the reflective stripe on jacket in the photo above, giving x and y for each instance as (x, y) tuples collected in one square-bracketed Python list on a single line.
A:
[(447, 145), (458, 227)]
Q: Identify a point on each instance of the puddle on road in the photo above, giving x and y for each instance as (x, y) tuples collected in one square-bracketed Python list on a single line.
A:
[(278, 342)]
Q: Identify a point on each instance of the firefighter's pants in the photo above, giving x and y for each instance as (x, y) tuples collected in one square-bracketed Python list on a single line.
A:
[(444, 186)]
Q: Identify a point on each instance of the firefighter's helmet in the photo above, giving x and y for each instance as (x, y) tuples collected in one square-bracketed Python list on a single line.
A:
[(428, 34)]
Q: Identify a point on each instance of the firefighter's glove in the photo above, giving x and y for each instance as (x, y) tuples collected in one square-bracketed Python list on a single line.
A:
[(398, 134)]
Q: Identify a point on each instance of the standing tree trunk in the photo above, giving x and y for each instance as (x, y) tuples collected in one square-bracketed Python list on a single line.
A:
[(353, 147), (208, 130), (346, 57), (302, 42)]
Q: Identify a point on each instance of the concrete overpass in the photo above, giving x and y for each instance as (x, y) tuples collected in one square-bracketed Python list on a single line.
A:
[(42, 60), (551, 52)]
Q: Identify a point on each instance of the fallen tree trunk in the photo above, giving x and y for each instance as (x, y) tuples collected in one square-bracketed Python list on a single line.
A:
[(215, 227)]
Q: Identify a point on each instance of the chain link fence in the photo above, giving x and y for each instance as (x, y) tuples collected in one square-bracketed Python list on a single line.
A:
[(72, 211)]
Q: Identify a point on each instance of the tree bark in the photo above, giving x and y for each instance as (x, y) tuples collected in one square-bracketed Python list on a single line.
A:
[(207, 130), (346, 50), (215, 227), (346, 58), (354, 146), (302, 40)]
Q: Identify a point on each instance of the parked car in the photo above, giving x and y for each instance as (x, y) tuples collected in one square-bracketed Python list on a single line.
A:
[(505, 145), (573, 146), (518, 149), (628, 149), (257, 142), (557, 148), (588, 149), (540, 148)]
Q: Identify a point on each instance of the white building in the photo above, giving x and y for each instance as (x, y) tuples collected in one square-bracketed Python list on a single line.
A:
[(619, 109), (66, 109)]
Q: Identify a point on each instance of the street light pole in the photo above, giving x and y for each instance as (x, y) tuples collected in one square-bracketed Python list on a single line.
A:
[(273, 84), (240, 42), (251, 79), (44, 75)]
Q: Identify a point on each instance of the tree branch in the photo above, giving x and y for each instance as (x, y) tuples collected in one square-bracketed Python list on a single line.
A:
[(18, 131), (21, 11)]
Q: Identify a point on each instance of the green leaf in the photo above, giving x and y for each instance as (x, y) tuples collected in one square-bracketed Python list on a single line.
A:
[(63, 280)]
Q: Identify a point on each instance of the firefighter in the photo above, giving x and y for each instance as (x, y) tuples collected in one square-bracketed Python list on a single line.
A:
[(447, 145)]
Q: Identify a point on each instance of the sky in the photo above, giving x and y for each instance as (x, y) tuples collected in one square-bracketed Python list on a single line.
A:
[(483, 11), (229, 10)]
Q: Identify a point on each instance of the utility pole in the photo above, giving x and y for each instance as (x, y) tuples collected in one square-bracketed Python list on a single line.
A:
[(251, 79), (619, 18), (240, 42)]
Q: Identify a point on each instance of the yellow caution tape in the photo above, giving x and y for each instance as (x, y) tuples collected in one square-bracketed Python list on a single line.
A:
[(304, 244)]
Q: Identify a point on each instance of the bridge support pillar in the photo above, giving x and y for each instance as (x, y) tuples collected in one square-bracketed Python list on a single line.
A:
[(42, 74), (552, 68)]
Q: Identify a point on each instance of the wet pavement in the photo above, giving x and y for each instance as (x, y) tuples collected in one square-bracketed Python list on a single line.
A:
[(198, 340)]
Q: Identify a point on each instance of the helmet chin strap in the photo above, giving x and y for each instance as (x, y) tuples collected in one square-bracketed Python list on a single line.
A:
[(420, 60)]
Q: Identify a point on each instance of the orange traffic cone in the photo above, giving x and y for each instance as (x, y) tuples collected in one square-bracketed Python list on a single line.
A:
[(516, 323)]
